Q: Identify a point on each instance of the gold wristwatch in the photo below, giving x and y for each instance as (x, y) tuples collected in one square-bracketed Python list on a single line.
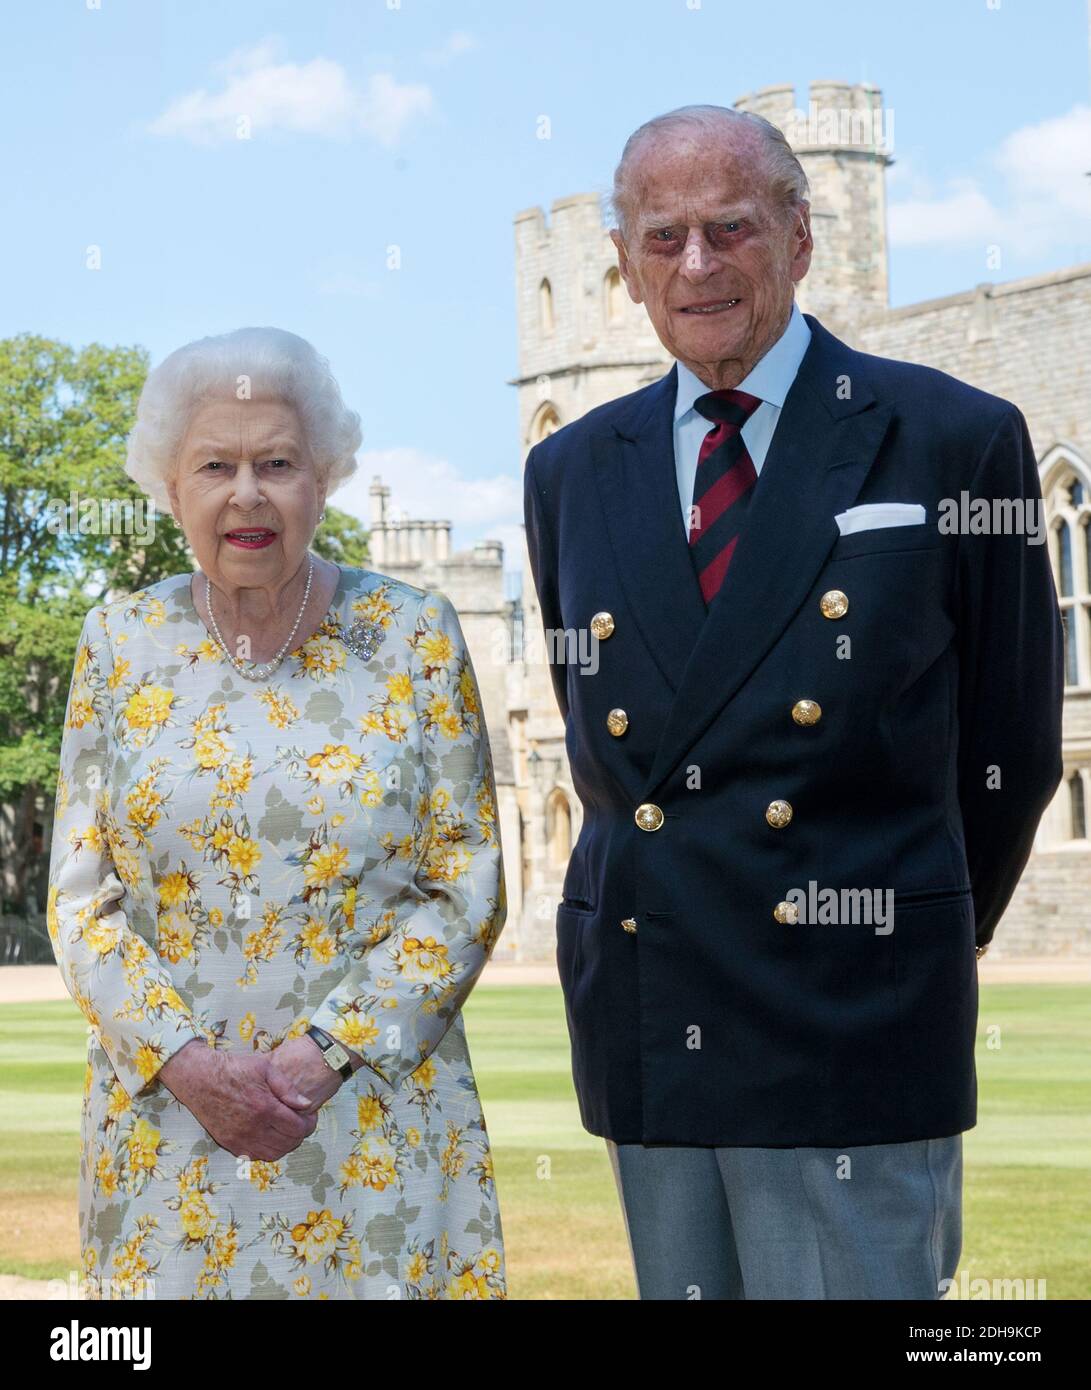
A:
[(333, 1054)]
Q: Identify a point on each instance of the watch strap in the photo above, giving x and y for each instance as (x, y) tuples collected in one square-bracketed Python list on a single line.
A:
[(330, 1045)]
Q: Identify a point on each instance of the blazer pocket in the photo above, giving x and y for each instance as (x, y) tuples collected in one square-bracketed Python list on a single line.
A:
[(571, 925), (931, 897), (877, 540)]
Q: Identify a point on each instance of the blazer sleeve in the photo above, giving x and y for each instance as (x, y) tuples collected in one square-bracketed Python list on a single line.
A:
[(113, 974), (395, 1005), (1011, 680), (542, 550)]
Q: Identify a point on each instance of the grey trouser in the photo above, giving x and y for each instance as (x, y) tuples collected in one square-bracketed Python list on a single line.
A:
[(877, 1221)]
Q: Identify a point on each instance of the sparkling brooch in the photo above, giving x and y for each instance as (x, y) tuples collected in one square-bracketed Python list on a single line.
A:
[(364, 638)]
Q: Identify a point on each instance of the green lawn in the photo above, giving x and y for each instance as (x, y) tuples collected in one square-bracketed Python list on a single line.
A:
[(1027, 1161)]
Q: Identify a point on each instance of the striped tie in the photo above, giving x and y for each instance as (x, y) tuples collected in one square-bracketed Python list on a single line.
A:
[(722, 488)]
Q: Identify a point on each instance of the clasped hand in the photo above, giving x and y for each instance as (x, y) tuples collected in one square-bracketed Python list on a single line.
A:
[(261, 1105)]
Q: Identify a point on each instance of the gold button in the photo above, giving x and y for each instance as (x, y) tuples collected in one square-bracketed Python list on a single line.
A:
[(834, 603), (786, 912), (806, 711), (778, 813), (629, 924), (617, 721), (602, 625), (981, 950), (649, 816)]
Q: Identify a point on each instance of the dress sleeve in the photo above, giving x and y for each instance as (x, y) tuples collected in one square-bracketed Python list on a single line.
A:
[(395, 1005), (113, 974)]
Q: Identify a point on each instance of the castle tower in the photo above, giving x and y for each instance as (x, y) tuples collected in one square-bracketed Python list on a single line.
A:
[(582, 340), (843, 144)]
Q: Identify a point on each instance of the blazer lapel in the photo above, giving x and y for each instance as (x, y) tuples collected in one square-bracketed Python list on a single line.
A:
[(635, 472), (819, 457)]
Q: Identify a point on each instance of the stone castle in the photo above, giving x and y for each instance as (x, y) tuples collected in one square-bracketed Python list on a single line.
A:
[(583, 342)]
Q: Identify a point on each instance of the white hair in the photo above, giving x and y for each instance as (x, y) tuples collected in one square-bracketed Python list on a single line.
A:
[(274, 365), (787, 185)]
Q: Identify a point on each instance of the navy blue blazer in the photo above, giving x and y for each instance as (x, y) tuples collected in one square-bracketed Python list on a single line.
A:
[(695, 1016)]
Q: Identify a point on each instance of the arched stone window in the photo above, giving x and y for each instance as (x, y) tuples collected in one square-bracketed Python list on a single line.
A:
[(558, 828), (545, 421), (1066, 489), (613, 293), (1077, 805), (545, 308)]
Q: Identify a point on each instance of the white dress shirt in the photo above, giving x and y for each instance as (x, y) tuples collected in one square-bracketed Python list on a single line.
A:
[(769, 379)]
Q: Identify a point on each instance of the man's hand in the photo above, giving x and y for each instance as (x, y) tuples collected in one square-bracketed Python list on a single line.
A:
[(300, 1077), (237, 1102)]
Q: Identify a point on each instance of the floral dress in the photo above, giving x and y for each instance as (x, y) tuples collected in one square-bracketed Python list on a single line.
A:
[(234, 860)]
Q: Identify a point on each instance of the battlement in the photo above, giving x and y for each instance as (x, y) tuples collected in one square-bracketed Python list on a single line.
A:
[(841, 116)]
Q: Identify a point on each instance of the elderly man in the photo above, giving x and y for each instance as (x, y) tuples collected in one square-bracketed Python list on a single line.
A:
[(812, 748)]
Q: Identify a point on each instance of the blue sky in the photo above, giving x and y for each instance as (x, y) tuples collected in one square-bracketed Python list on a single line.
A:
[(376, 123)]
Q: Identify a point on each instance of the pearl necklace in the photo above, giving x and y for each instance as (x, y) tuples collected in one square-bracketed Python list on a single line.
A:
[(266, 669)]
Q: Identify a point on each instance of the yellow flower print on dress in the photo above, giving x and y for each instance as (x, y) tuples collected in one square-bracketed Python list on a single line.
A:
[(140, 1149), (262, 945), (321, 657), (213, 750), (263, 1173), (207, 651), (479, 1276), (119, 676), (435, 650), (316, 941), (322, 847), (142, 605), (227, 843), (201, 1228), (321, 1238), (133, 1271), (377, 606), (144, 805), (107, 1180), (281, 711), (333, 768), (145, 714)]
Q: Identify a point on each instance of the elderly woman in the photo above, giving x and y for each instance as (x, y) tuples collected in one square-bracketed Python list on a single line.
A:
[(276, 876)]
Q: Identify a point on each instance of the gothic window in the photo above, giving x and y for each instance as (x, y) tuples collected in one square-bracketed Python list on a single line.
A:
[(613, 300), (559, 829), (1077, 806), (545, 421), (1064, 559), (1066, 486), (545, 308)]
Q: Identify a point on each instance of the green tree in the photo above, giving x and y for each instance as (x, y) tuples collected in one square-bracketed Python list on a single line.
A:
[(64, 416), (342, 540)]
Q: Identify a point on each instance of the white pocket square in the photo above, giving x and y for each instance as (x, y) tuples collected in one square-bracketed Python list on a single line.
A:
[(873, 514)]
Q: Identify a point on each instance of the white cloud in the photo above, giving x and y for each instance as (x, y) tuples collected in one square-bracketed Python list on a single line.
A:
[(428, 487), (313, 98), (961, 216), (1044, 199), (458, 44)]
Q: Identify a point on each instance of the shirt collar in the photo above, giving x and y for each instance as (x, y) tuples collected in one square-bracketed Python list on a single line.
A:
[(769, 379)]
